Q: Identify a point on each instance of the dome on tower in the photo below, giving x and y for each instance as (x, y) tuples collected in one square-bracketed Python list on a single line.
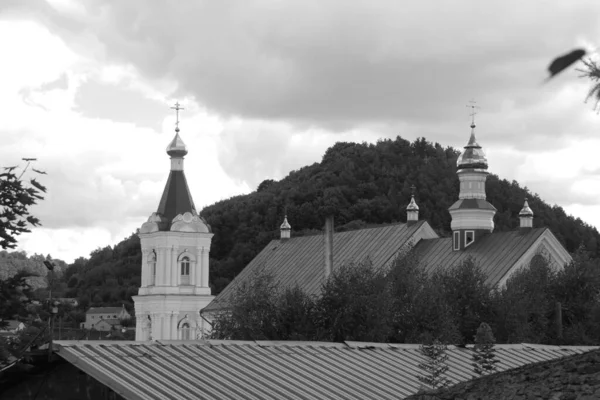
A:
[(286, 225), (177, 148), (526, 210), (473, 156), (412, 206)]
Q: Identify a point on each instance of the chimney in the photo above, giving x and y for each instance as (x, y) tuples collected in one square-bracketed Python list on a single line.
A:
[(328, 246), (285, 229), (526, 216)]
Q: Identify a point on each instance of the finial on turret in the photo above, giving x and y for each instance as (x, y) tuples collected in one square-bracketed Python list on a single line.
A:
[(526, 216), (473, 107), (285, 229), (412, 210)]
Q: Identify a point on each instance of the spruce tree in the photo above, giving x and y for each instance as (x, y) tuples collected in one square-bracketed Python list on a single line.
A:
[(435, 364), (484, 354)]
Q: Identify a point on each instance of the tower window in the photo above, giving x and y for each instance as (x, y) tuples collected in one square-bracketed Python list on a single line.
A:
[(185, 270), (152, 262), (469, 237), (456, 240), (185, 331)]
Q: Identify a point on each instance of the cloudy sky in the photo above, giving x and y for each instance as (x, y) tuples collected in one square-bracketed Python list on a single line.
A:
[(267, 86)]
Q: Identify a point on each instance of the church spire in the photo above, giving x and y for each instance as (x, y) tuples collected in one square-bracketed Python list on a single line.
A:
[(176, 199)]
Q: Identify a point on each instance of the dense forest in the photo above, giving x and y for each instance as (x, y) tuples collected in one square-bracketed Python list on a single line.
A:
[(360, 184)]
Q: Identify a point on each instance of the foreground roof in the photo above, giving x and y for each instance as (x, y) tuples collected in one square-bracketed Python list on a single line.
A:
[(300, 260), (496, 253), (276, 370)]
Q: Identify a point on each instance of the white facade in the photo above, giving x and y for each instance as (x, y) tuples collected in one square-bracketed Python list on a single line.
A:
[(174, 285)]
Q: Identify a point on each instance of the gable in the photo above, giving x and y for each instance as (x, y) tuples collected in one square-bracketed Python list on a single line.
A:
[(546, 245), (300, 261)]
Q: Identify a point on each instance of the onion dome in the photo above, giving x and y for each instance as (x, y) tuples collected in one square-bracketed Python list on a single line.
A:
[(412, 206), (526, 211), (286, 225), (177, 148), (473, 156)]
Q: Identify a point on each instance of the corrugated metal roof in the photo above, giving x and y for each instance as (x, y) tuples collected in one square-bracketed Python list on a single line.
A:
[(301, 260), (215, 370), (495, 253)]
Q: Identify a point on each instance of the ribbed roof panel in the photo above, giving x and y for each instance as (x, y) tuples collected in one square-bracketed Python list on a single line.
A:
[(215, 370)]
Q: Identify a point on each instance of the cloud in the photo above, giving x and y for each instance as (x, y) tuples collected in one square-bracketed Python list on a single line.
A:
[(120, 104), (337, 66)]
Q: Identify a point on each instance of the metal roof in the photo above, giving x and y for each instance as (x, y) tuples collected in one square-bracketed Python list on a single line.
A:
[(176, 199), (215, 370), (104, 310), (300, 260), (496, 253)]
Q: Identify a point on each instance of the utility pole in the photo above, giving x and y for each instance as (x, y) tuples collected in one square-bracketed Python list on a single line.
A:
[(52, 308)]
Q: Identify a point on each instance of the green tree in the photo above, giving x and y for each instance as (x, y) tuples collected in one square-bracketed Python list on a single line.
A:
[(484, 354), (16, 198), (356, 304)]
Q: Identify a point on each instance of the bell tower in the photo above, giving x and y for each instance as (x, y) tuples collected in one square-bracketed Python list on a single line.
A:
[(175, 252)]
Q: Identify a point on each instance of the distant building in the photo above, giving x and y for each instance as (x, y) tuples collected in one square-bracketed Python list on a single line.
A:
[(306, 261), (12, 329), (67, 300), (103, 318)]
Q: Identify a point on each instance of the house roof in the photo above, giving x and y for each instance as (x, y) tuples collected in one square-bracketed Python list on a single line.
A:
[(104, 310), (300, 260), (496, 253), (276, 370), (176, 199)]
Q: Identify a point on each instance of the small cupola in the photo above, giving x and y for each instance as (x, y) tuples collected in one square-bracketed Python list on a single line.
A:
[(285, 229), (526, 216), (412, 211)]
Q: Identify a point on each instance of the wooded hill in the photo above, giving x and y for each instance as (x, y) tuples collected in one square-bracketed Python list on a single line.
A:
[(359, 184)]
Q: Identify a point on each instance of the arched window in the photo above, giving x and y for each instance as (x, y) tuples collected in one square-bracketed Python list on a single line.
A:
[(185, 270), (185, 331), (152, 265)]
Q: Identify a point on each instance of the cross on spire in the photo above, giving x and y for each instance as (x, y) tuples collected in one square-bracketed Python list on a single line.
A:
[(412, 189), (177, 108), (473, 106)]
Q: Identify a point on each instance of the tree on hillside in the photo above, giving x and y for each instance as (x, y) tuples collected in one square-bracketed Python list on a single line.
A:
[(16, 198)]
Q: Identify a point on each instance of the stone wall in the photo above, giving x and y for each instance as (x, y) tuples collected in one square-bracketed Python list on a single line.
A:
[(568, 378)]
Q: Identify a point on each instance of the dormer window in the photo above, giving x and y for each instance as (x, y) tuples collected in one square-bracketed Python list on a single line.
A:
[(456, 241), (185, 270), (469, 237)]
